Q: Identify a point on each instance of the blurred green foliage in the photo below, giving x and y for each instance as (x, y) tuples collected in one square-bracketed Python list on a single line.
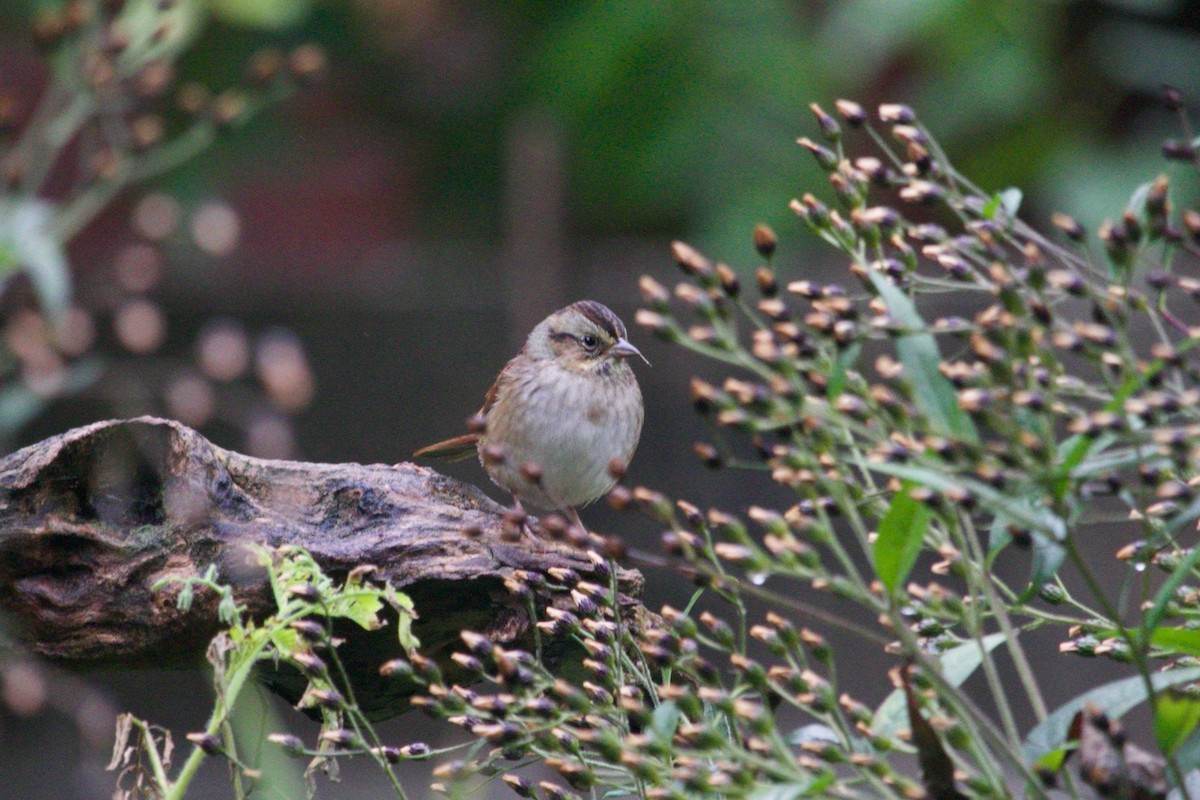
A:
[(676, 115)]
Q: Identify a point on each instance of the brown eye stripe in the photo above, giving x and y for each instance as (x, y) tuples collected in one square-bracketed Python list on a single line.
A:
[(602, 316), (579, 340)]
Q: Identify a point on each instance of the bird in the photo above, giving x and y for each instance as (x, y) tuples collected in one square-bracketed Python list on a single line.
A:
[(563, 417)]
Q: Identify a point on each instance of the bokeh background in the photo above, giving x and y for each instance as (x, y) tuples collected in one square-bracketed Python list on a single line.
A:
[(340, 278)]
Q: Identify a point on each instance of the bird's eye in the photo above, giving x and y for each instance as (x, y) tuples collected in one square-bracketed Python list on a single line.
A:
[(589, 342)]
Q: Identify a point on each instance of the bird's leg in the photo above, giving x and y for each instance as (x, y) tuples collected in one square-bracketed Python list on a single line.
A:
[(518, 518), (573, 517)]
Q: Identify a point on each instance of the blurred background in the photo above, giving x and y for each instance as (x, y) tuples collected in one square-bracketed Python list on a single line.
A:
[(340, 275)]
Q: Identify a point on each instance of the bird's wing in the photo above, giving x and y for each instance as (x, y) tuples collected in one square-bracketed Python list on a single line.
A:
[(461, 447)]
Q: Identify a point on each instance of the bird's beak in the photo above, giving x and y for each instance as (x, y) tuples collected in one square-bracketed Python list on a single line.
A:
[(623, 349)]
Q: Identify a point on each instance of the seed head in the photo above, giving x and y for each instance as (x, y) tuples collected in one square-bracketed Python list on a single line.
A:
[(1179, 150), (828, 125), (896, 112), (210, 744), (851, 112), (690, 260), (340, 737), (654, 293), (826, 159), (765, 241)]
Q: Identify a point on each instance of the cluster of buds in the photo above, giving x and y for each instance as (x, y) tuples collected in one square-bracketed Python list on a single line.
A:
[(968, 375), (674, 704), (1053, 352)]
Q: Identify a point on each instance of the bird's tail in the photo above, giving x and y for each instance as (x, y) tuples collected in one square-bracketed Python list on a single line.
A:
[(455, 449)]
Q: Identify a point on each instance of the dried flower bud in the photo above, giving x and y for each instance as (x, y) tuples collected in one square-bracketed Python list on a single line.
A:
[(207, 742), (1156, 197), (305, 591), (326, 698), (415, 750), (1067, 281), (765, 241), (340, 737), (1068, 225), (1179, 150), (896, 112), (828, 125), (531, 472), (654, 293), (728, 279), (768, 287), (519, 785), (826, 158), (851, 112), (690, 260), (1191, 221), (291, 744), (310, 663)]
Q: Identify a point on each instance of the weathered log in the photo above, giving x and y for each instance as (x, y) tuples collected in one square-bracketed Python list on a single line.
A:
[(91, 519)]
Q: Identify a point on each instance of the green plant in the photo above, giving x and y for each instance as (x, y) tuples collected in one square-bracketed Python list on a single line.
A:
[(1052, 395), (1056, 380), (307, 603)]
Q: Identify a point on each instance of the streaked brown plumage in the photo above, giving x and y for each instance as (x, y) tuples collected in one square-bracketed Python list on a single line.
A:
[(564, 408)]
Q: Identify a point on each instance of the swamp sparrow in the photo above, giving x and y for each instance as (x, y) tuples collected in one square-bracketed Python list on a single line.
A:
[(560, 412)]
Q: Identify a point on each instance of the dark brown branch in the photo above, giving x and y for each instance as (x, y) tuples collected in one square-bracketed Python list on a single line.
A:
[(90, 520)]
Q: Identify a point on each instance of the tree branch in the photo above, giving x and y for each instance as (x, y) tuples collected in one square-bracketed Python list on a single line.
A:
[(91, 519)]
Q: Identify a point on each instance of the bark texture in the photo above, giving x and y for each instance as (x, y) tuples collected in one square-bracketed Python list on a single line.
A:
[(92, 518)]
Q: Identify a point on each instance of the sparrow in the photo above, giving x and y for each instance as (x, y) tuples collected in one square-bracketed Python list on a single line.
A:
[(561, 413)]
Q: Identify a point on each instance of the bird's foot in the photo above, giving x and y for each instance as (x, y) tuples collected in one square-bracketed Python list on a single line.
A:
[(517, 523)]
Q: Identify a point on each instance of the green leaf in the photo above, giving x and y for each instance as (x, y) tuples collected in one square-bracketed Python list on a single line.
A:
[(270, 14), (779, 791), (1048, 556), (1187, 756), (1053, 761), (918, 352), (793, 789), (280, 775), (360, 607), (1184, 641), (958, 663), (1176, 715), (1137, 200), (286, 641), (1115, 460), (406, 612), (901, 534), (1010, 199), (25, 236), (1114, 699), (1016, 510), (1076, 448), (1048, 553), (665, 720), (1167, 591), (837, 379), (813, 732)]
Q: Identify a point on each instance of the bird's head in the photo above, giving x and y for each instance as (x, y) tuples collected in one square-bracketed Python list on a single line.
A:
[(585, 336)]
